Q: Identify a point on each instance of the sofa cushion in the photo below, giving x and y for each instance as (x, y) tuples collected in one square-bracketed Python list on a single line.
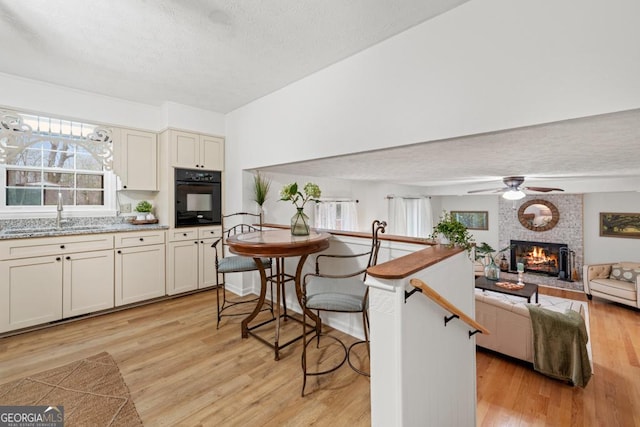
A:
[(617, 288), (625, 271), (599, 271)]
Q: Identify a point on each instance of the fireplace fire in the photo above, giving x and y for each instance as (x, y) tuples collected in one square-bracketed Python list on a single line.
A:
[(540, 257)]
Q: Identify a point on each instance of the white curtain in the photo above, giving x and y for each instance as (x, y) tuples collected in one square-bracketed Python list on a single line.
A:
[(336, 215), (410, 216)]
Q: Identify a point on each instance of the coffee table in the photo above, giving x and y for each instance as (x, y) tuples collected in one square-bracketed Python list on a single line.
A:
[(490, 285)]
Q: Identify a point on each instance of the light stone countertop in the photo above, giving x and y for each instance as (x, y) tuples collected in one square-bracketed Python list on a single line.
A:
[(75, 229)]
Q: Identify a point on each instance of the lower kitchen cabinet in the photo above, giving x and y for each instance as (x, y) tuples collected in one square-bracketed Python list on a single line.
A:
[(87, 284), (191, 261), (139, 273), (30, 292)]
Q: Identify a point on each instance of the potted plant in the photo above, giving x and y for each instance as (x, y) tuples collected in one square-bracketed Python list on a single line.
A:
[(455, 233), (290, 193), (487, 256), (261, 186), (143, 209)]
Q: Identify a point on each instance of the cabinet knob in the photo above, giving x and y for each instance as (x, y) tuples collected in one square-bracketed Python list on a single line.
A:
[(142, 239), (119, 252), (124, 186), (201, 242), (61, 246), (196, 242), (184, 234), (68, 257), (197, 166), (58, 259)]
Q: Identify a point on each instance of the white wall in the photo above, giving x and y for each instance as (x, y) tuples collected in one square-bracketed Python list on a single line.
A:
[(489, 203), (34, 96), (484, 66), (608, 249), (371, 196)]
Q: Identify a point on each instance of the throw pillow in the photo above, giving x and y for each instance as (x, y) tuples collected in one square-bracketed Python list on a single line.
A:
[(626, 274)]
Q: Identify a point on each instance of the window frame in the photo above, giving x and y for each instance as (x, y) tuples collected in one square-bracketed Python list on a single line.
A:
[(109, 206)]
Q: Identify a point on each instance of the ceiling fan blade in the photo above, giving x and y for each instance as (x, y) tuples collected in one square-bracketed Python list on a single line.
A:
[(486, 190), (542, 189)]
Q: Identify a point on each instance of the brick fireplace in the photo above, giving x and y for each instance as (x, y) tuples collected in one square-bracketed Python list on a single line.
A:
[(568, 232)]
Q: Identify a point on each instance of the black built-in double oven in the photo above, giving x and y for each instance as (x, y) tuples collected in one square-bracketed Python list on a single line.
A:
[(198, 197)]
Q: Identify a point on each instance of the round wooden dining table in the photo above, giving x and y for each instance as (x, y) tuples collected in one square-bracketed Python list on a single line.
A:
[(278, 245)]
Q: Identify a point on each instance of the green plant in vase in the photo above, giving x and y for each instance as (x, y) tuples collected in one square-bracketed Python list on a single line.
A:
[(291, 193), (261, 186), (487, 256), (143, 209), (453, 231)]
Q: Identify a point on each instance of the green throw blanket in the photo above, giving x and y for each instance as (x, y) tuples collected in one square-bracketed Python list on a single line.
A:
[(560, 345)]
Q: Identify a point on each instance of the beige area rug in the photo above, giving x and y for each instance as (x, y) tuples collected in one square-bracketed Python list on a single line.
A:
[(91, 390)]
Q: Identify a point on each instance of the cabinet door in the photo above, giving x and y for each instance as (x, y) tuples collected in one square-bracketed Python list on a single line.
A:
[(182, 266), (30, 292), (138, 160), (87, 282), (139, 274), (185, 149), (207, 264), (212, 152)]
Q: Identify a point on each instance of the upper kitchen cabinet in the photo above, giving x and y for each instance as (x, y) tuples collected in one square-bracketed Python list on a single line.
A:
[(136, 159), (192, 150)]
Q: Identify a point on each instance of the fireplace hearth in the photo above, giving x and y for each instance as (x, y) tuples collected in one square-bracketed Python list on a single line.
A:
[(549, 259)]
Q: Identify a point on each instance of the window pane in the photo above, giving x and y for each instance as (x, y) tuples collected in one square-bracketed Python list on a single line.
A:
[(85, 161), (23, 197), (21, 178), (60, 159), (29, 157), (90, 197), (59, 178), (51, 196), (89, 181)]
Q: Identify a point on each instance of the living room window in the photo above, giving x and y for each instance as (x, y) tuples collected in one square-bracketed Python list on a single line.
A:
[(336, 215), (410, 216), (44, 156)]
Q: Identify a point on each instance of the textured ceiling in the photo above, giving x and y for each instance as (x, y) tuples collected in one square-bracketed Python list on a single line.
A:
[(213, 54), (221, 54), (589, 154)]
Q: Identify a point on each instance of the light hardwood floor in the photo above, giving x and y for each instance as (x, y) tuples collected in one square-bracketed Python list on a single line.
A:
[(182, 371)]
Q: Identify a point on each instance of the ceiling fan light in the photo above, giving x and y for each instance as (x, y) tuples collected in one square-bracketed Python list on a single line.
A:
[(513, 195)]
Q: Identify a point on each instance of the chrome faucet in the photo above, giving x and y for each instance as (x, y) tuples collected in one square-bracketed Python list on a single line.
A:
[(59, 209)]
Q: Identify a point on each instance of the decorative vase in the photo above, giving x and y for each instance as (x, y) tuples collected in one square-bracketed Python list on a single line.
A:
[(492, 271), (504, 265), (300, 223)]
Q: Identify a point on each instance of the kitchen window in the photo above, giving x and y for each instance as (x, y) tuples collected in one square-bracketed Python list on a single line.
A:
[(47, 157)]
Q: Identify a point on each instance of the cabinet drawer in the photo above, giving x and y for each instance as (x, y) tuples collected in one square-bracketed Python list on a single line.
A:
[(139, 238), (23, 248), (183, 234), (209, 232)]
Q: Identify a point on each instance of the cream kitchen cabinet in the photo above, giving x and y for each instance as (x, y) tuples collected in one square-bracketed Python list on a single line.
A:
[(191, 259), (139, 266), (136, 159), (30, 292), (87, 282), (47, 279), (192, 150)]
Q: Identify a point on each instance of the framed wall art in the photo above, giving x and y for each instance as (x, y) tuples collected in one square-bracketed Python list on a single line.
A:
[(614, 224), (473, 220)]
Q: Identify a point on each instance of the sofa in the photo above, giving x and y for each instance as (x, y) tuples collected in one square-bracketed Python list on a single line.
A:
[(507, 318), (618, 282)]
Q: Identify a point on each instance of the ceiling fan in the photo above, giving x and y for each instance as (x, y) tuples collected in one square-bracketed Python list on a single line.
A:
[(514, 190)]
